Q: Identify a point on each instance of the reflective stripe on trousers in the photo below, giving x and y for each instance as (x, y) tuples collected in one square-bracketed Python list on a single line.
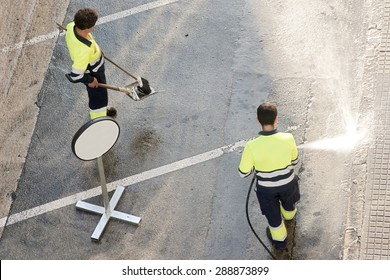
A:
[(288, 215), (279, 233), (101, 112)]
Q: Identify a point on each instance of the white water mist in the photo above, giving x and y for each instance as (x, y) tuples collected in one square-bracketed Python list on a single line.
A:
[(341, 143), (341, 116)]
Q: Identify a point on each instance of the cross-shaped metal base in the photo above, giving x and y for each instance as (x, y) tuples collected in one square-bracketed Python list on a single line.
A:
[(92, 208), (107, 211)]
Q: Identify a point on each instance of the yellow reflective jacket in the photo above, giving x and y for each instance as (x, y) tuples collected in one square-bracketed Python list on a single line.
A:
[(273, 155), (85, 54)]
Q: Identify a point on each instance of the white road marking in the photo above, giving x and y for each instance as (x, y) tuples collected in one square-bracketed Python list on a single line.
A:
[(105, 19), (131, 180), (135, 10)]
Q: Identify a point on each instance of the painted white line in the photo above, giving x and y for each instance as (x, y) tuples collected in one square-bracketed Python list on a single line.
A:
[(105, 19), (135, 10), (30, 42), (131, 180)]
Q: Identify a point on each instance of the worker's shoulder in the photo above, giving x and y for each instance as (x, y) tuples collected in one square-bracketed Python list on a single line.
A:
[(284, 135), (279, 135), (70, 31), (70, 26)]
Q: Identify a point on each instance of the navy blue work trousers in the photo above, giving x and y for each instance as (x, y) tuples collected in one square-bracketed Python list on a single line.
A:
[(271, 198), (98, 97)]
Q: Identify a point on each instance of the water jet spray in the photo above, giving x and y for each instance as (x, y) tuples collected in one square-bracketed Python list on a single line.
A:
[(342, 143)]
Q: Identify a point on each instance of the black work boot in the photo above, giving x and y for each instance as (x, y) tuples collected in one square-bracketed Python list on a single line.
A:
[(111, 112)]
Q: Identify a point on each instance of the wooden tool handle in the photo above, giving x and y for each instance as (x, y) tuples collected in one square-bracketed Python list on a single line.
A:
[(125, 90), (128, 73), (60, 26)]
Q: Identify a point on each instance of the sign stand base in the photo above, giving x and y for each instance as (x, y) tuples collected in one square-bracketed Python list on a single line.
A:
[(95, 209), (108, 211)]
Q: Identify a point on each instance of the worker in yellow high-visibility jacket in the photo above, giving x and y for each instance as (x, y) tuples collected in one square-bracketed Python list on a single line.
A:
[(88, 61), (272, 156)]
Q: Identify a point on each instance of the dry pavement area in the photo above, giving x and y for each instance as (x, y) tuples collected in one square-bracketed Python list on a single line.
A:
[(23, 71)]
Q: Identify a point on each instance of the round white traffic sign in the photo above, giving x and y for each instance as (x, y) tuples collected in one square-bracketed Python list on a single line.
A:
[(95, 138)]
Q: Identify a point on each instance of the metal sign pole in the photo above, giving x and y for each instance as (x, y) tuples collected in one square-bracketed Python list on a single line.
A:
[(102, 176)]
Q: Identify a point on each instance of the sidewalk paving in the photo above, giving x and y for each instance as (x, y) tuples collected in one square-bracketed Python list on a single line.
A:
[(375, 239)]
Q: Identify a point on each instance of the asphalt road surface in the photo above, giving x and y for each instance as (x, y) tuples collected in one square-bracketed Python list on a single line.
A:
[(177, 154)]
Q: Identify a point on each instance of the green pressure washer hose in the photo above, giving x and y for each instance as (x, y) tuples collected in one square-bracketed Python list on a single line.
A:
[(249, 221)]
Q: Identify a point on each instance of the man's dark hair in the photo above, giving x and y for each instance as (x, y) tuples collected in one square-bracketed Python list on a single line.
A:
[(266, 113), (85, 18)]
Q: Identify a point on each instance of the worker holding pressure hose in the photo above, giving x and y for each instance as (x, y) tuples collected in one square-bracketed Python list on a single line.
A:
[(272, 156)]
